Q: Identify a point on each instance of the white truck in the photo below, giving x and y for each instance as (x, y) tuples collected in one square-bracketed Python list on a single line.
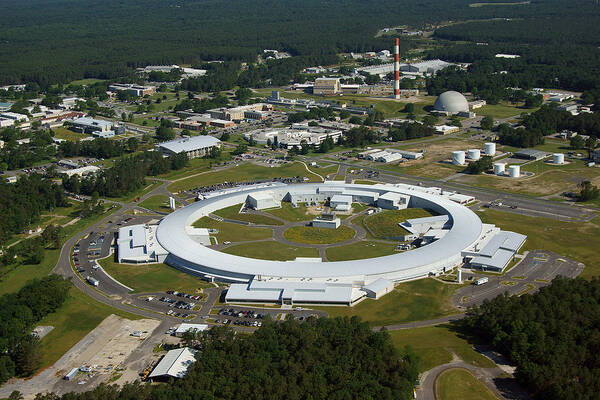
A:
[(481, 281), (92, 281)]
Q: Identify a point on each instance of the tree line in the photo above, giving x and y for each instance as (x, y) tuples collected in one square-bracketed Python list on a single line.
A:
[(19, 313), (318, 359), (552, 337)]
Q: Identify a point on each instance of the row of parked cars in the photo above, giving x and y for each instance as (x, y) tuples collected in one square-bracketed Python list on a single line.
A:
[(184, 295), (241, 313), (176, 314)]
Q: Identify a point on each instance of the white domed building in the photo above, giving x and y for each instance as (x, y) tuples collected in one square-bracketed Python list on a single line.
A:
[(451, 103)]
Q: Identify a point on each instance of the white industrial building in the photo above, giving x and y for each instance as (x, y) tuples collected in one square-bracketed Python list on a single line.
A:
[(185, 327), (262, 201), (91, 125), (195, 146), (341, 202), (455, 236), (378, 288), (326, 220), (409, 155), (14, 116), (81, 171), (289, 137), (138, 244), (393, 201), (498, 251), (174, 364)]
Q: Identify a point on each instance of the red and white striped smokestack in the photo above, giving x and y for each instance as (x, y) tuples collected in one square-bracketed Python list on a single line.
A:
[(397, 69)]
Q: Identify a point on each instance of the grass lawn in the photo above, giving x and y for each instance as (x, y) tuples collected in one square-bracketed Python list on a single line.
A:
[(152, 277), (290, 213), (385, 224), (232, 213), (360, 250), (150, 185), (233, 232), (75, 319), (270, 250), (19, 276), (365, 182), (159, 203), (243, 173), (460, 384), (67, 134), (88, 81), (502, 110), (411, 301), (196, 165), (576, 240), (435, 345), (313, 235)]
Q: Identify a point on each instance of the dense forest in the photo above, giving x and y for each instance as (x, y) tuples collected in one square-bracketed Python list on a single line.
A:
[(19, 313), (553, 337), (43, 42), (326, 358), (24, 201)]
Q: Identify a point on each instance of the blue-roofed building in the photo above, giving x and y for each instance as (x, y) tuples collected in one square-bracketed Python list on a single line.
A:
[(5, 106), (195, 146)]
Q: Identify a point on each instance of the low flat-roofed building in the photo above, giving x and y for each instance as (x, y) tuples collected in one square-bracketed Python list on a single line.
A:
[(14, 116), (499, 251), (409, 155), (290, 292), (136, 90), (262, 201), (393, 201), (174, 364), (326, 220), (327, 86), (388, 157), (446, 129), (81, 171), (185, 327), (341, 202), (104, 135), (378, 288), (531, 154), (195, 146), (91, 125), (289, 138), (137, 244), (221, 123), (419, 226), (6, 122)]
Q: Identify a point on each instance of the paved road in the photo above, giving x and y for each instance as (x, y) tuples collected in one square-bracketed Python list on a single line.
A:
[(530, 206)]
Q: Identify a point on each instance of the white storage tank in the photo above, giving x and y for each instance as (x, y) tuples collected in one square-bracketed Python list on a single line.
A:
[(490, 149), (514, 171), (474, 154), (458, 157), (558, 158), (499, 168)]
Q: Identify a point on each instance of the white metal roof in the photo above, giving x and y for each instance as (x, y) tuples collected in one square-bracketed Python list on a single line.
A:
[(184, 327), (190, 255), (175, 363), (189, 144), (379, 285)]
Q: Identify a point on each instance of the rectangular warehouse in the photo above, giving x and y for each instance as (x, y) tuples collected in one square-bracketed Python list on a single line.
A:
[(341, 203), (393, 201), (262, 200), (196, 146)]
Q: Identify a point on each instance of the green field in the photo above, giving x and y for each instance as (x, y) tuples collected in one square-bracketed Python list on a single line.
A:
[(195, 166), (502, 110), (20, 275), (312, 235), (271, 250), (365, 182), (88, 81), (576, 240), (435, 345), (67, 134), (75, 319), (243, 173), (150, 186), (411, 301), (294, 214), (152, 277), (384, 224), (229, 231), (460, 384), (233, 213), (360, 250), (159, 202)]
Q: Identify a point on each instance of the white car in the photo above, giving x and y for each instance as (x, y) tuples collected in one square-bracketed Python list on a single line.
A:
[(227, 242)]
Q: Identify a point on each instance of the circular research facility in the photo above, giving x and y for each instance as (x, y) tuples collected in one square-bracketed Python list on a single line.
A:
[(454, 234), (451, 102)]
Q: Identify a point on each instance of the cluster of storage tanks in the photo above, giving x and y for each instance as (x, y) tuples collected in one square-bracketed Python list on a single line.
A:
[(514, 171), (459, 157)]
